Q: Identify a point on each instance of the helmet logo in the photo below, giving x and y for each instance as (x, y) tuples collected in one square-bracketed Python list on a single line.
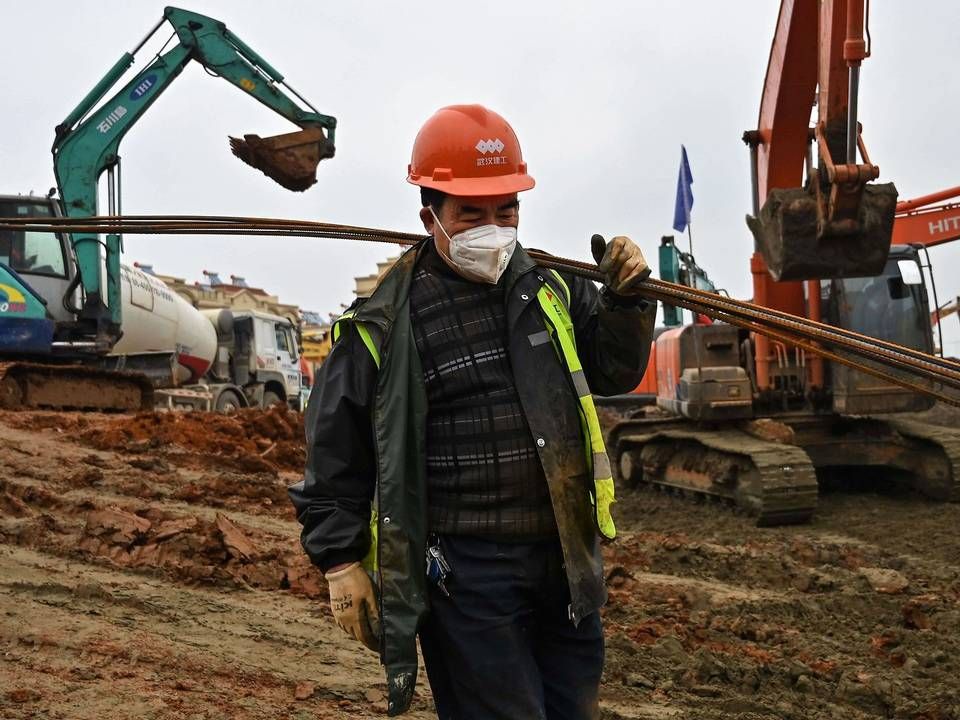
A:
[(491, 146), (485, 146)]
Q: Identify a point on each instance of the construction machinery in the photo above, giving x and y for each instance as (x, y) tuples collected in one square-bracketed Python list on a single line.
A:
[(170, 353), (67, 336), (923, 223), (753, 421)]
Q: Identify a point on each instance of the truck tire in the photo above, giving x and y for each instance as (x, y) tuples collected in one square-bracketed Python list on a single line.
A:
[(228, 402), (271, 398)]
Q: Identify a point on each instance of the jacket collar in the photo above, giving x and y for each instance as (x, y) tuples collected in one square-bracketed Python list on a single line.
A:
[(382, 307), (520, 264), (391, 293)]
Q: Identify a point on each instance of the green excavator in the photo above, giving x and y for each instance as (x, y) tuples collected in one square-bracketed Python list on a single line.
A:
[(69, 320)]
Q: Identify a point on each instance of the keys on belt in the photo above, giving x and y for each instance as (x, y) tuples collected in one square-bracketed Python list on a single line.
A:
[(437, 566)]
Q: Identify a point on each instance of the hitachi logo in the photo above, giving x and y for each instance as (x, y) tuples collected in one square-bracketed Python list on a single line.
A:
[(945, 225)]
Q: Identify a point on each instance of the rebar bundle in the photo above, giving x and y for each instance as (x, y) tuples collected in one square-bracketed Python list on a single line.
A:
[(903, 366)]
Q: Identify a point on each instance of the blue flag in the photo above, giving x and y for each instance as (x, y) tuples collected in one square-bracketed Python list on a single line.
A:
[(684, 204)]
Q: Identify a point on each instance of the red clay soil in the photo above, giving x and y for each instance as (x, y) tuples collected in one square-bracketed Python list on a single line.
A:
[(251, 440), (145, 573)]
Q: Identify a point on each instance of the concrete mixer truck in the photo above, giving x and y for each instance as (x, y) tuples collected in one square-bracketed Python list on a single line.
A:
[(179, 356), (78, 330)]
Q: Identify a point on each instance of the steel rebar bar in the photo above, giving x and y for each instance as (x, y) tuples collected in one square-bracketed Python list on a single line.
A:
[(832, 343)]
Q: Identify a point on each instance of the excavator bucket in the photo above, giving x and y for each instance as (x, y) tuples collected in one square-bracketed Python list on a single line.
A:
[(796, 245), (290, 159)]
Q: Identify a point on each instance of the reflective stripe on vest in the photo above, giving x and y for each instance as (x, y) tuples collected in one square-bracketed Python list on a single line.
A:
[(560, 326), (362, 331), (369, 562)]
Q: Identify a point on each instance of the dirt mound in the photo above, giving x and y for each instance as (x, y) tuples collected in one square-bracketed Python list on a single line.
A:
[(190, 548), (256, 494), (252, 440), (137, 577), (183, 547), (70, 423)]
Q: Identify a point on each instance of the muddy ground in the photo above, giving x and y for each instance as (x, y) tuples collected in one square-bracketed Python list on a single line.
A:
[(150, 568)]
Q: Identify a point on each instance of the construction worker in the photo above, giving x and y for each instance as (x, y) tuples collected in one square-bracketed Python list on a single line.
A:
[(453, 449)]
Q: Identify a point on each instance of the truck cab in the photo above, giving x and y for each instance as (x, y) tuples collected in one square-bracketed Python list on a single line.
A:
[(259, 354), (278, 359)]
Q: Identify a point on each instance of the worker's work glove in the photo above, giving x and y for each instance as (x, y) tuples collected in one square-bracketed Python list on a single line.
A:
[(354, 605), (621, 263)]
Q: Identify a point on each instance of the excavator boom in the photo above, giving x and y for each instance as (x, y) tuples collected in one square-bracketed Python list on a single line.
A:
[(839, 224), (921, 222), (87, 144)]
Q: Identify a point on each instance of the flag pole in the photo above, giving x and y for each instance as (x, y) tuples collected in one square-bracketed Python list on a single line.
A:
[(690, 237)]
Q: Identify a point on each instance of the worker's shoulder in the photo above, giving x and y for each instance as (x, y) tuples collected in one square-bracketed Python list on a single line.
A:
[(539, 256), (351, 310), (564, 277), (356, 304)]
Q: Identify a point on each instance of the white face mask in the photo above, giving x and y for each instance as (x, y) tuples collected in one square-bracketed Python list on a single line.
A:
[(481, 252)]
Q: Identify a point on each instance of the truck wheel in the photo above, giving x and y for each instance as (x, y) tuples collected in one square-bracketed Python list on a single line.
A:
[(228, 402), (271, 398)]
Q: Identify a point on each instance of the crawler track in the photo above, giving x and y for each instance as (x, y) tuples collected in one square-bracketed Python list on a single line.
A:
[(776, 481), (948, 440), (33, 386), (772, 481)]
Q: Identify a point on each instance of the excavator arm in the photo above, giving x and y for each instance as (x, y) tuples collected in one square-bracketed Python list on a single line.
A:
[(839, 225), (87, 145), (918, 221)]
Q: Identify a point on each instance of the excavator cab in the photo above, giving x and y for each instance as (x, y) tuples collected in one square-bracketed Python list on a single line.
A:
[(893, 306)]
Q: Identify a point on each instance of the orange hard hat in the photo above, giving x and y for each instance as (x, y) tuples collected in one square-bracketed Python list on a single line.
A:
[(467, 150)]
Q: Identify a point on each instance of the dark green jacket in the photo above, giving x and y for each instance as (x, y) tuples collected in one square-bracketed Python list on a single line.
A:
[(365, 439)]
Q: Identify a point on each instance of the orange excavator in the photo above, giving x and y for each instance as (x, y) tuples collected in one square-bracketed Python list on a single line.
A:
[(755, 422), (921, 221)]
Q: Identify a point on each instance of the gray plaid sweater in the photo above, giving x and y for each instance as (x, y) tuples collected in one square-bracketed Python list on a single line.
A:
[(483, 473)]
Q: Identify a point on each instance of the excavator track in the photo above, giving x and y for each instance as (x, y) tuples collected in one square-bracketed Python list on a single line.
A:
[(939, 483), (773, 481), (42, 386)]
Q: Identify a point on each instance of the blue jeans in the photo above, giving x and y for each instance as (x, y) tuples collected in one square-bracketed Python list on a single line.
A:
[(502, 646)]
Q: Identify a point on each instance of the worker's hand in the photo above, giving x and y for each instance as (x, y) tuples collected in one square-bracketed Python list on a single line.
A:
[(621, 263), (354, 605)]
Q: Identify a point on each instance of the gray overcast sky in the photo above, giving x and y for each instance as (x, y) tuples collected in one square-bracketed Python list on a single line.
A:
[(601, 96)]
